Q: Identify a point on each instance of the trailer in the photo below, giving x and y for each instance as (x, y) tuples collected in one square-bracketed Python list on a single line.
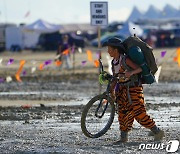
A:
[(17, 38)]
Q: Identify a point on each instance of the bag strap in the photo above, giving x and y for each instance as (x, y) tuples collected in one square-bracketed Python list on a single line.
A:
[(134, 78), (123, 62)]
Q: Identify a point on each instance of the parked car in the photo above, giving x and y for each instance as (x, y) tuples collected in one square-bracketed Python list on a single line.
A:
[(105, 38)]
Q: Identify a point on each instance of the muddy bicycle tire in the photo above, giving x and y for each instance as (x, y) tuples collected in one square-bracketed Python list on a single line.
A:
[(107, 124)]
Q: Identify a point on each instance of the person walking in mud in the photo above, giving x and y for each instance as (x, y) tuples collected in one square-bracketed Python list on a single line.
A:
[(130, 99), (63, 52)]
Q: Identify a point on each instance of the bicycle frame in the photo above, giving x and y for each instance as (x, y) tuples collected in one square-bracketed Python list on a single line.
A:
[(107, 92), (101, 108), (108, 96)]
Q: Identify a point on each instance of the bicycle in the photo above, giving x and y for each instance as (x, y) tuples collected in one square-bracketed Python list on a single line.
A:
[(100, 108)]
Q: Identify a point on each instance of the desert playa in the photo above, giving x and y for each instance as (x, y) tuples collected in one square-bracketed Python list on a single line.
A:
[(42, 113)]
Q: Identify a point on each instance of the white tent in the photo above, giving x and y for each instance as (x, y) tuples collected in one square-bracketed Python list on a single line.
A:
[(152, 13), (135, 15), (169, 12), (177, 15), (42, 26), (130, 28)]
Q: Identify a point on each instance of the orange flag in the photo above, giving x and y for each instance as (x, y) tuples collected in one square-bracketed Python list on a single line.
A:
[(58, 63), (18, 78), (175, 59), (178, 51), (22, 62), (96, 63), (178, 56), (89, 54), (178, 60), (66, 52), (41, 66)]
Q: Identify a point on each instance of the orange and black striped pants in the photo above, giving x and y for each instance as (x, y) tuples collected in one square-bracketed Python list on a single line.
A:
[(127, 112)]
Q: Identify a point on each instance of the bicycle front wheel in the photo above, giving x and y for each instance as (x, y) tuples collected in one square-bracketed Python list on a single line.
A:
[(94, 123)]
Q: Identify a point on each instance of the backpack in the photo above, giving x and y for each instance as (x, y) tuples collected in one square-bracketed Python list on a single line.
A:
[(141, 53)]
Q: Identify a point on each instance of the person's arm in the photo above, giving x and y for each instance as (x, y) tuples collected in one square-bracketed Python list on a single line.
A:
[(58, 50), (113, 84), (112, 89), (58, 53), (135, 67)]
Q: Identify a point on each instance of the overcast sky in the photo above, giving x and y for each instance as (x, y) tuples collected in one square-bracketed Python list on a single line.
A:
[(71, 11)]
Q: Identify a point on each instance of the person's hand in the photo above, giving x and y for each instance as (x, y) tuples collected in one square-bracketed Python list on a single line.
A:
[(113, 96), (102, 78), (128, 74), (57, 57)]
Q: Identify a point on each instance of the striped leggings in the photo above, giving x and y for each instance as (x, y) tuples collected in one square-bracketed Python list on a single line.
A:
[(128, 112)]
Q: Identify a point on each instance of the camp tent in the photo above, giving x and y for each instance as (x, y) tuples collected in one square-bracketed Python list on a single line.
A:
[(36, 29), (42, 26), (135, 15)]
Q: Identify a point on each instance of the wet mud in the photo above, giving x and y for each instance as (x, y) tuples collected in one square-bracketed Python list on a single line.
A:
[(55, 127)]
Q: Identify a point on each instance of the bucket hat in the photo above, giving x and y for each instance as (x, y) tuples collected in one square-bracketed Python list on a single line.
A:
[(114, 41)]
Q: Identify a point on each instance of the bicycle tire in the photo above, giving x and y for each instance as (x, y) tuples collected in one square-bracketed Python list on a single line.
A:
[(84, 116)]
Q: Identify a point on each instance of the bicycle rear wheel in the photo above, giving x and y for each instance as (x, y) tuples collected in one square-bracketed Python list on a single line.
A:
[(94, 126)]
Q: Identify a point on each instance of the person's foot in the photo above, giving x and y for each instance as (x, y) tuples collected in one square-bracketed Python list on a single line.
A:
[(159, 136), (124, 138), (158, 133), (120, 141)]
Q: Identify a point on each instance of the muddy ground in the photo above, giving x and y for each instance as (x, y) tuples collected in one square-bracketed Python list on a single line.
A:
[(42, 114), (47, 119)]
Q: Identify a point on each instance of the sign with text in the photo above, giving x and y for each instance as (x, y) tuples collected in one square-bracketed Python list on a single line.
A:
[(99, 13)]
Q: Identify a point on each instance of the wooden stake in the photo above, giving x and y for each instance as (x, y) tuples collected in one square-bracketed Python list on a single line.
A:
[(99, 51)]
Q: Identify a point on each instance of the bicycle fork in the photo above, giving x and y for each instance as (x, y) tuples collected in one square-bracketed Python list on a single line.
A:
[(101, 103), (104, 110)]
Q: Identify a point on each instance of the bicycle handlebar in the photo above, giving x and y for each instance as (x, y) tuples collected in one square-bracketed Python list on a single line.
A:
[(108, 76)]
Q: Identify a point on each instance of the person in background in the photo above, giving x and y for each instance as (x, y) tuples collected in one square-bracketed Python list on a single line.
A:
[(63, 52)]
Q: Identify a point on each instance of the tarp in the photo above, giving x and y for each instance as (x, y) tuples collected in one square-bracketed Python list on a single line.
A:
[(130, 28), (42, 26)]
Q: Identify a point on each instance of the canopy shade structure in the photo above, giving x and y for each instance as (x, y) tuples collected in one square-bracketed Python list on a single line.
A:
[(42, 26), (135, 15)]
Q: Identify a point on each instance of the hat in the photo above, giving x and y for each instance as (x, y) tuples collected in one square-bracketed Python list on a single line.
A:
[(114, 41)]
